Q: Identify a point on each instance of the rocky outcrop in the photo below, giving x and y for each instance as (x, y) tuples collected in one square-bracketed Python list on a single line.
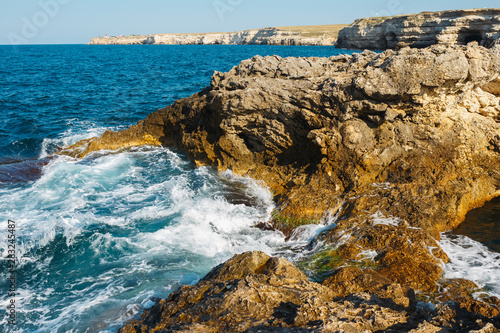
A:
[(398, 146), (422, 30), (253, 292), (267, 36)]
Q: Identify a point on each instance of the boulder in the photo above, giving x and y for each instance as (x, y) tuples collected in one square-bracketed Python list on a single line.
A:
[(253, 292)]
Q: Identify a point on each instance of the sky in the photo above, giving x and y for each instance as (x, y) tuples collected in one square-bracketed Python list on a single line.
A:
[(76, 21)]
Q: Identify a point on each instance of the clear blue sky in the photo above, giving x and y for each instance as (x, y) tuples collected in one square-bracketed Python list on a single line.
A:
[(76, 21)]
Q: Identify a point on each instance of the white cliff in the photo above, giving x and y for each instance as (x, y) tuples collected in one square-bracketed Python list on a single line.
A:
[(452, 27), (266, 36)]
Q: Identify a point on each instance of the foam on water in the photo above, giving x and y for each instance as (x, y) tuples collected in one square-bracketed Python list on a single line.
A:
[(102, 236), (378, 218), (472, 260), (99, 237), (80, 130)]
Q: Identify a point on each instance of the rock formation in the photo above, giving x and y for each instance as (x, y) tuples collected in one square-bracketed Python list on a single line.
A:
[(422, 30), (398, 146), (267, 36), (253, 292)]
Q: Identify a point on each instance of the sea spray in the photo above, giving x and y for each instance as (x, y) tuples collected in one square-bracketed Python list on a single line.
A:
[(101, 237), (109, 231), (472, 260)]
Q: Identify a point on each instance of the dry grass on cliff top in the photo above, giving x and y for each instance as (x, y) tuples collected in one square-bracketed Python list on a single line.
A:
[(331, 30)]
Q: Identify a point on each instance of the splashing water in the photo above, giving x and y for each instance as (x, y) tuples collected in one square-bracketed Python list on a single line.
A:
[(99, 237)]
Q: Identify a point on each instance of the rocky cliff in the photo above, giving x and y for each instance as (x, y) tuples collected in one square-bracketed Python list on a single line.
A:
[(267, 36), (422, 30), (398, 146)]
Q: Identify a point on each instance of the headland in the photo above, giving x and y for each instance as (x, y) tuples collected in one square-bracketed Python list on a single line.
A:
[(396, 147)]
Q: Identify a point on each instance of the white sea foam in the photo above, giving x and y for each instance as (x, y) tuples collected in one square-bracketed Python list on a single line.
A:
[(472, 260), (379, 219), (71, 136), (106, 233), (368, 254), (132, 225)]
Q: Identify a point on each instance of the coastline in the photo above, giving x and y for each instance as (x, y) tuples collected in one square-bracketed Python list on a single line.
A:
[(451, 27), (290, 182), (319, 161), (304, 36)]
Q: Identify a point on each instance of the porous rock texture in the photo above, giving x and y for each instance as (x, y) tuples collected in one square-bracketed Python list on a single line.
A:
[(253, 292), (453, 27), (397, 146)]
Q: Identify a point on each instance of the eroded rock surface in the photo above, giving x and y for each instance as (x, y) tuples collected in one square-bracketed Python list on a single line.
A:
[(453, 27), (399, 146), (253, 292)]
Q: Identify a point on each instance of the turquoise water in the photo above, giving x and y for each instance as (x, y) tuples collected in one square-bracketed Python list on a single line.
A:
[(98, 239)]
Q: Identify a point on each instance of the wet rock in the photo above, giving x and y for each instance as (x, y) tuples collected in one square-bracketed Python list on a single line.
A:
[(351, 280), (253, 292)]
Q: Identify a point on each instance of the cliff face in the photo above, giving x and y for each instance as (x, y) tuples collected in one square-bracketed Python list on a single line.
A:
[(399, 146), (268, 36), (422, 30)]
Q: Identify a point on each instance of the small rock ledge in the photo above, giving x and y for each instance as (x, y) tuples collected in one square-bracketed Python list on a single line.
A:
[(253, 292)]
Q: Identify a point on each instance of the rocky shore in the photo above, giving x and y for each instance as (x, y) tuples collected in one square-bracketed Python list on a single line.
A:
[(421, 30), (266, 36), (397, 146)]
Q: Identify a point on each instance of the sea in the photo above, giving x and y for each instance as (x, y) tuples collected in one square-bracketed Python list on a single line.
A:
[(97, 240)]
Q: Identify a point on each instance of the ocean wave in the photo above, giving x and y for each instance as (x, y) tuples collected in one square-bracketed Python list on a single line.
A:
[(112, 230)]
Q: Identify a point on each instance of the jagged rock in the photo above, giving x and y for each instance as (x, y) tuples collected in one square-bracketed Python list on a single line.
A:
[(425, 29), (253, 292), (399, 145), (266, 36), (489, 328), (349, 280)]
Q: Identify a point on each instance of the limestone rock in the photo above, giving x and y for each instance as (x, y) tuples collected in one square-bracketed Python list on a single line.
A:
[(253, 292), (398, 145), (425, 29), (351, 280), (266, 36)]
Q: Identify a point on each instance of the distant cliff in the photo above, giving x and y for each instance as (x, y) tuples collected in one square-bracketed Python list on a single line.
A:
[(266, 36), (422, 30)]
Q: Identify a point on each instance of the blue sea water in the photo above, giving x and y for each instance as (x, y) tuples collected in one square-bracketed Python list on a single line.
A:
[(99, 238)]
